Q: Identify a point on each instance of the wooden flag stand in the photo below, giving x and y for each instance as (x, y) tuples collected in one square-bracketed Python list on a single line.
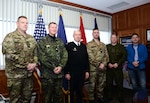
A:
[(66, 96)]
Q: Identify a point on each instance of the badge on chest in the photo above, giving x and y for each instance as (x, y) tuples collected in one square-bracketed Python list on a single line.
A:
[(74, 49)]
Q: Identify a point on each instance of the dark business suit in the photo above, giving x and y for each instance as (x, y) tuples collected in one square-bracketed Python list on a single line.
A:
[(76, 66)]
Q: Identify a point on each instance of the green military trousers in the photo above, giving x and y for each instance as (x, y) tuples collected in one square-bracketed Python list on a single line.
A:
[(20, 89), (97, 83), (117, 76)]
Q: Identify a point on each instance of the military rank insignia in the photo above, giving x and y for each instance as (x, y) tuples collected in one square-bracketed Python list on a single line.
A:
[(74, 49)]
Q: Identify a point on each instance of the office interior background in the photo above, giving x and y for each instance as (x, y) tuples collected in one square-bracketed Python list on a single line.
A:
[(11, 9), (124, 23)]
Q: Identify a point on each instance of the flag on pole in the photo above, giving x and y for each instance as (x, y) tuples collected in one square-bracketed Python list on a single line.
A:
[(95, 23), (61, 30), (40, 30), (62, 35), (82, 31)]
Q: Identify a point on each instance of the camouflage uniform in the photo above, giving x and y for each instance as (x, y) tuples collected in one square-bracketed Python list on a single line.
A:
[(97, 54), (51, 53), (19, 51)]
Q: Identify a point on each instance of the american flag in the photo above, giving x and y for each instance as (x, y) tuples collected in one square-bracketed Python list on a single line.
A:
[(40, 30)]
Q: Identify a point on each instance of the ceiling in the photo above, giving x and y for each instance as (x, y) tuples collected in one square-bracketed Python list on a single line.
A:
[(110, 6)]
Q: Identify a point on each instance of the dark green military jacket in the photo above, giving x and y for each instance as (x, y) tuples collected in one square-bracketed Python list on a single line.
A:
[(51, 53), (117, 54), (19, 50)]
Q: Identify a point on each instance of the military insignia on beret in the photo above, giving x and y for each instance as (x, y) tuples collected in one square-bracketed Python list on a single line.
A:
[(47, 46), (74, 49)]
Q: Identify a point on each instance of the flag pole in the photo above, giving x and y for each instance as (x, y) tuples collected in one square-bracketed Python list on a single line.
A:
[(83, 40), (35, 73), (62, 35), (68, 91)]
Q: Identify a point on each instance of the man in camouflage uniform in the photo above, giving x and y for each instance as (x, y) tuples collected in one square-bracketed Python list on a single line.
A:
[(117, 56), (52, 57), (20, 56), (98, 58)]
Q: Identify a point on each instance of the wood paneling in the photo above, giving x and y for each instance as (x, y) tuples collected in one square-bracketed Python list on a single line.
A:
[(114, 23), (132, 20), (128, 32), (122, 20), (145, 14)]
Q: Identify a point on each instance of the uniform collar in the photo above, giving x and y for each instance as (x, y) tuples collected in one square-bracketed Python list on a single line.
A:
[(77, 43)]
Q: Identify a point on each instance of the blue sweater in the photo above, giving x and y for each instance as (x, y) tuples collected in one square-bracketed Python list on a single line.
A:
[(142, 55)]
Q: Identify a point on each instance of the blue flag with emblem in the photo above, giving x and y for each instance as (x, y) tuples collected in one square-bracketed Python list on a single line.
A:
[(62, 35), (61, 30), (40, 30)]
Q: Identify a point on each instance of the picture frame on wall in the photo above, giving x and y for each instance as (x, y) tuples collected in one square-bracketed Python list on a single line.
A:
[(126, 40), (148, 34)]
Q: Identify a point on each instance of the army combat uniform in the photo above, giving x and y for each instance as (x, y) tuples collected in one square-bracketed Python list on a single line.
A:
[(19, 51), (97, 54), (117, 54), (51, 53)]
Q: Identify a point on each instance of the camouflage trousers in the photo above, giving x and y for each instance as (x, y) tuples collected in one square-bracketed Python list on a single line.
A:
[(20, 89), (97, 83), (52, 89)]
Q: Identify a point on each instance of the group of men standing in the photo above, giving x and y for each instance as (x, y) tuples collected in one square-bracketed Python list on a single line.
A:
[(96, 62)]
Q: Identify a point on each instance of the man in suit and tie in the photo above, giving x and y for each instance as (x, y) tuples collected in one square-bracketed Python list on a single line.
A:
[(77, 67)]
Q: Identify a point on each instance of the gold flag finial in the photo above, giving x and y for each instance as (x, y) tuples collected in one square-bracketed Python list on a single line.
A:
[(60, 10), (40, 8), (40, 11)]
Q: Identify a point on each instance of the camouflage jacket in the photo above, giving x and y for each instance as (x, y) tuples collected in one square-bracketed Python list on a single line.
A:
[(51, 53), (97, 54), (19, 51)]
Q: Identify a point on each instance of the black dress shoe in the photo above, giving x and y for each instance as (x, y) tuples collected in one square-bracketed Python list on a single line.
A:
[(108, 100), (100, 100), (92, 101), (121, 101)]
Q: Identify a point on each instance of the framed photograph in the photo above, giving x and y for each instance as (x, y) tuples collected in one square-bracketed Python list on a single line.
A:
[(126, 40), (148, 34)]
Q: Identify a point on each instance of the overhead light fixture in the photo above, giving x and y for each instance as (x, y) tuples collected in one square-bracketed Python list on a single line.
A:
[(118, 5)]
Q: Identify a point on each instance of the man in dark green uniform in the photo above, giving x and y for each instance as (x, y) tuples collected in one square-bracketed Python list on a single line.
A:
[(52, 57), (117, 56)]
